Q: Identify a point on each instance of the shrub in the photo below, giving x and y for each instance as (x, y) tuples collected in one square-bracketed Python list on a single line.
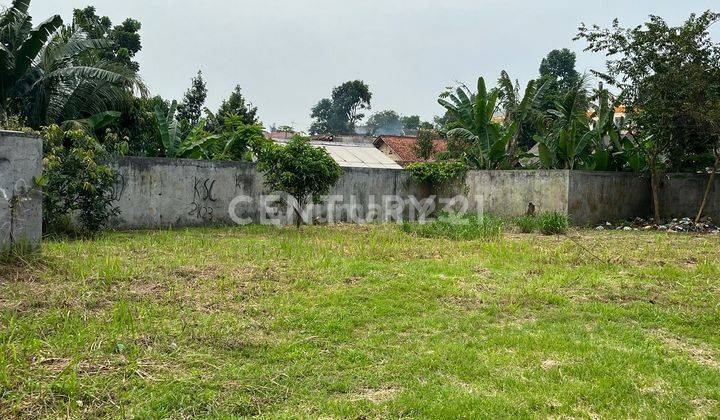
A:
[(437, 173), (553, 223), (77, 183), (526, 224), (457, 227), (298, 169)]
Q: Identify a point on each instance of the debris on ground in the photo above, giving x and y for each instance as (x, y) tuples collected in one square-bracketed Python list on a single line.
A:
[(685, 224)]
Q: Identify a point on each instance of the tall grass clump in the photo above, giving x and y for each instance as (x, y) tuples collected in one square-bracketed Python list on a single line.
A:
[(553, 223), (526, 224), (457, 227)]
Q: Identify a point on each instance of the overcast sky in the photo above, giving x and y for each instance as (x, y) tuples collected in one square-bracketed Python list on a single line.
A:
[(288, 54)]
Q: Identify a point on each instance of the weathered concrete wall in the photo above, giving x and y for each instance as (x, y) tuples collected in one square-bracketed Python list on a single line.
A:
[(154, 193), (596, 197), (681, 195), (20, 200), (509, 193)]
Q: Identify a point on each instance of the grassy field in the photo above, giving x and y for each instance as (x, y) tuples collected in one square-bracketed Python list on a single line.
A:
[(363, 322)]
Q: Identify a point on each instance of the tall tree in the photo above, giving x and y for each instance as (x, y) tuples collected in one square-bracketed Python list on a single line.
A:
[(558, 75), (411, 124), (52, 73), (560, 65), (236, 105), (340, 113), (385, 122), (191, 107), (664, 72), (325, 120), (124, 38)]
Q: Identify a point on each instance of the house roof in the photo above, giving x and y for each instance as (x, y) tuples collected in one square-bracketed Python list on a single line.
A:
[(405, 147), (279, 135), (350, 155)]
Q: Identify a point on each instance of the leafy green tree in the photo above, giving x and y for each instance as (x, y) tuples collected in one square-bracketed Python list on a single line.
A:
[(239, 138), (138, 123), (558, 75), (709, 114), (190, 110), (326, 120), (124, 38), (426, 125), (385, 122), (77, 182), (476, 138), (560, 66), (237, 106), (299, 169), (425, 144), (522, 111), (340, 113), (664, 72), (50, 73), (411, 124)]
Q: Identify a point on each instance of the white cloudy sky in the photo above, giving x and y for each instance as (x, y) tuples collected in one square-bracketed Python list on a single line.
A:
[(287, 54)]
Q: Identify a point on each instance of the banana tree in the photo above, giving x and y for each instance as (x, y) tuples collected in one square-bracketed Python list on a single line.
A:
[(523, 111), (20, 45), (169, 129), (567, 144), (484, 141)]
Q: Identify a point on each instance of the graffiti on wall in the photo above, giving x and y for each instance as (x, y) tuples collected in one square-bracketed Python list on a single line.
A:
[(13, 199), (118, 188), (201, 206)]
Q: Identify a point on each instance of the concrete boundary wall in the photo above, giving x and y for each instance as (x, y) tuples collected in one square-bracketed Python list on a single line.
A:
[(20, 200), (160, 193)]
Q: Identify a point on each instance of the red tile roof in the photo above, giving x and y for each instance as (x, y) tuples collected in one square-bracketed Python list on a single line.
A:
[(405, 147)]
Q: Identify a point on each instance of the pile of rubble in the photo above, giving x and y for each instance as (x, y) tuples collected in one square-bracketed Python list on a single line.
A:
[(686, 224)]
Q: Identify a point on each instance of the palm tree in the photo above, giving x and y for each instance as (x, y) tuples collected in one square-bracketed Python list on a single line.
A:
[(522, 111), (50, 73), (20, 44), (486, 141)]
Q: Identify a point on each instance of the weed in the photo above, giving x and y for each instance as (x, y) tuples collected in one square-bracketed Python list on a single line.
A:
[(526, 224), (553, 223)]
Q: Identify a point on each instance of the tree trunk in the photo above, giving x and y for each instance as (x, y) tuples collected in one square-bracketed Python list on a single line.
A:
[(298, 218), (655, 187), (708, 188)]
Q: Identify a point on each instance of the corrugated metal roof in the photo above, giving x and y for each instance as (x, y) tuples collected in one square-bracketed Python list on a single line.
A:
[(355, 155)]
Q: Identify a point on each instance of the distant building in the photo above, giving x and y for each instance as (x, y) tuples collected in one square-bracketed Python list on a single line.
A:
[(354, 155), (403, 149), (620, 115), (279, 135), (349, 139)]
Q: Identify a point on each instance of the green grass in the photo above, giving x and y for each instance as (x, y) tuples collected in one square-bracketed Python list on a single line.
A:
[(457, 227), (350, 322), (553, 223), (526, 224)]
